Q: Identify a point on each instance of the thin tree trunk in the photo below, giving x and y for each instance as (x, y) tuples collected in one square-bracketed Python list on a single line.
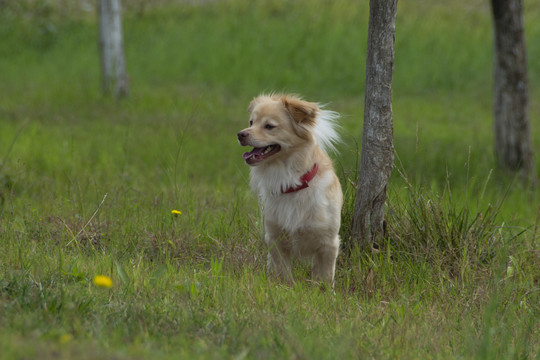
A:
[(112, 48), (513, 146), (377, 156)]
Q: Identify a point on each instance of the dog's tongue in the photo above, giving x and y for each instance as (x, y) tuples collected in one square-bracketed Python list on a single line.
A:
[(252, 153)]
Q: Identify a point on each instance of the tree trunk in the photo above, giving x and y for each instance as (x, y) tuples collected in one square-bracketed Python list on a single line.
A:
[(377, 156), (112, 48), (513, 146)]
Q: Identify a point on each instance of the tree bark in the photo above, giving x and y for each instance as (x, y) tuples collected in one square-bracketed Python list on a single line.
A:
[(377, 156), (513, 146), (113, 64)]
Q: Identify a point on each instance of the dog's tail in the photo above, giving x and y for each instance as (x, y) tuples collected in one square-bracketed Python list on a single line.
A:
[(326, 129)]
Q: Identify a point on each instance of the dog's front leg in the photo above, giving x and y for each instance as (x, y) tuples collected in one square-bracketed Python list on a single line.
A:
[(279, 256), (324, 262)]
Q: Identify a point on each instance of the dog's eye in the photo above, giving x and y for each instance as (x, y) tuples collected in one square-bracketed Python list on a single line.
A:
[(269, 127), (250, 122)]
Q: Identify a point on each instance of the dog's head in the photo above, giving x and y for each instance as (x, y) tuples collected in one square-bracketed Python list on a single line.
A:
[(278, 124)]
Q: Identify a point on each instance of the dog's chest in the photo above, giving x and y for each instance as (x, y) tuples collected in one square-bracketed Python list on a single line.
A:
[(306, 208), (292, 212)]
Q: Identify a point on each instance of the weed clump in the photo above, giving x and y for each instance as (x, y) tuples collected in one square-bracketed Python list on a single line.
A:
[(424, 227), (444, 232)]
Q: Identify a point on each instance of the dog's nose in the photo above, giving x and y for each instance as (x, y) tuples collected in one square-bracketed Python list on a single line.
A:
[(242, 135)]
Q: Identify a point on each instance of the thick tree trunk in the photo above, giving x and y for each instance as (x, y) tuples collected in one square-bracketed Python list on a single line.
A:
[(513, 147), (377, 156), (112, 48)]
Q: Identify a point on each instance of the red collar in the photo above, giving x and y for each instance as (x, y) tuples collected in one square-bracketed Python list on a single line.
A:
[(305, 179)]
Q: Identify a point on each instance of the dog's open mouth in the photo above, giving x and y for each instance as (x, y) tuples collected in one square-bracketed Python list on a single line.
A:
[(260, 153)]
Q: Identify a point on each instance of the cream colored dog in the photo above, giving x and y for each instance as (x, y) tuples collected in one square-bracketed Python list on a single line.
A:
[(295, 181)]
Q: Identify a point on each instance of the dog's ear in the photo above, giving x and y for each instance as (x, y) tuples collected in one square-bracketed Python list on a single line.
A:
[(301, 111)]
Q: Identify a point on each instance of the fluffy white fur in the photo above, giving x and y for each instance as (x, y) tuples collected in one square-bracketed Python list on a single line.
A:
[(326, 129), (289, 136)]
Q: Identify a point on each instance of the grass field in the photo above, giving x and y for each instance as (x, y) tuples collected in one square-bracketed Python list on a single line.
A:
[(87, 185)]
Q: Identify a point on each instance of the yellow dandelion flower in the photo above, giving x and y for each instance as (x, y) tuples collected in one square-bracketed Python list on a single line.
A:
[(103, 281), (65, 338), (176, 212)]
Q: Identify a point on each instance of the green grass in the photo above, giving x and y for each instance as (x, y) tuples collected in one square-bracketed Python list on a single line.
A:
[(87, 185)]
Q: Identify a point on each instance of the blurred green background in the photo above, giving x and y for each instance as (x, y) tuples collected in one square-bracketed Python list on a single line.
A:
[(87, 185)]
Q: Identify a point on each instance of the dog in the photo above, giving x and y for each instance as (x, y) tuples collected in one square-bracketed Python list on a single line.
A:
[(295, 181)]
